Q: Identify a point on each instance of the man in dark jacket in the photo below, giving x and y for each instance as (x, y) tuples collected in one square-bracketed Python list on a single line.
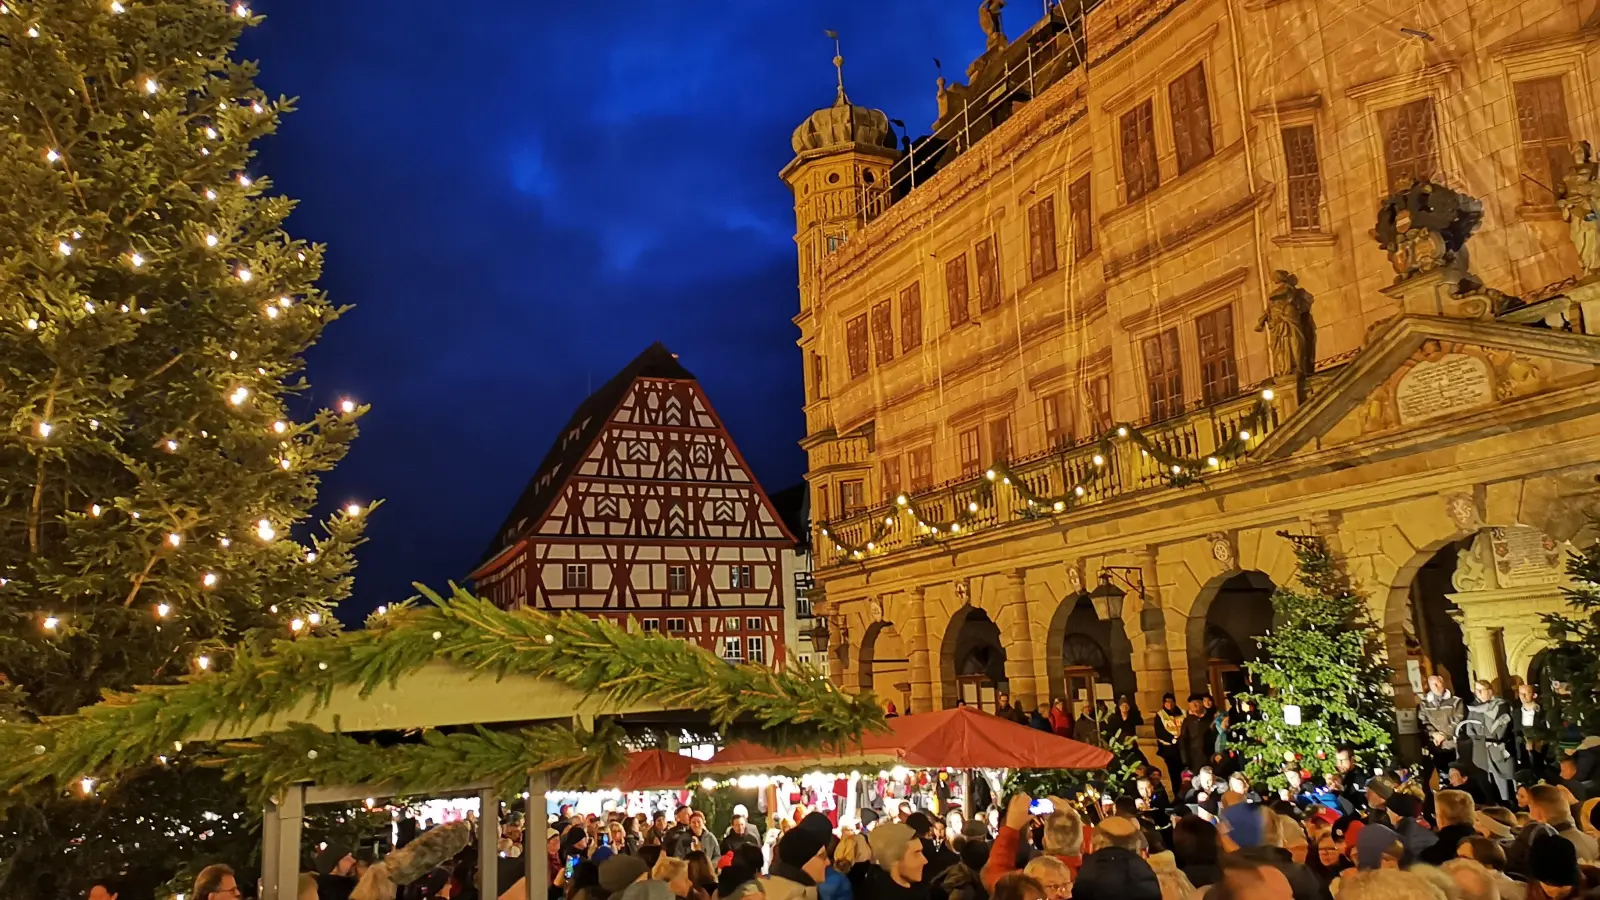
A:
[(899, 867), (1010, 713), (940, 857), (739, 834), (1440, 712), (1454, 813), (1197, 737), (1528, 729), (962, 881), (336, 869)]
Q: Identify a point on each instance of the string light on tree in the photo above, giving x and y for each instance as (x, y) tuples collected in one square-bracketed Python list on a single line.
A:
[(163, 610), (202, 662), (51, 623), (209, 579), (239, 396), (347, 406), (151, 86), (44, 429), (265, 531), (353, 510)]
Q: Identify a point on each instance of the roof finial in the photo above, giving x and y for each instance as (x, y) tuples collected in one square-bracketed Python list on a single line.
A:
[(838, 64)]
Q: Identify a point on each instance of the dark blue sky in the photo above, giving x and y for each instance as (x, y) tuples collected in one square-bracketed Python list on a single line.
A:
[(519, 196)]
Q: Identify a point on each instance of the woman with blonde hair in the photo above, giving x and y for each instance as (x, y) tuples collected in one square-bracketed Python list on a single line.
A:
[(675, 872), (852, 849)]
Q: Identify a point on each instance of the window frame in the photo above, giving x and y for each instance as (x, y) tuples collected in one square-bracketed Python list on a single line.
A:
[(1043, 237), (1080, 209), (910, 317), (857, 346), (683, 625), (1387, 116), (881, 325), (852, 489), (1163, 391), (1057, 433), (1146, 154), (971, 464), (889, 476), (1548, 148), (998, 432), (991, 293), (755, 649), (1193, 125), (572, 573), (1218, 386), (957, 291), (741, 576), (680, 574), (924, 455), (1302, 190)]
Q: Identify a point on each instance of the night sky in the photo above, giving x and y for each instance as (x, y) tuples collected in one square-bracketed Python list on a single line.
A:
[(518, 197)]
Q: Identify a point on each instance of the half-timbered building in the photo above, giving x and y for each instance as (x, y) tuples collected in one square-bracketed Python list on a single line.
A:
[(644, 512)]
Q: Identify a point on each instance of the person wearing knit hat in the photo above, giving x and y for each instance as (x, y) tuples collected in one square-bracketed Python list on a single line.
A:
[(1553, 863), (735, 881), (799, 864), (1243, 825), (620, 871), (1379, 789)]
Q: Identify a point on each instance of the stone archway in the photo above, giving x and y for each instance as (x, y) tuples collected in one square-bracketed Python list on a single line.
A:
[(1421, 624), (884, 665), (1230, 613), (972, 659), (1087, 657)]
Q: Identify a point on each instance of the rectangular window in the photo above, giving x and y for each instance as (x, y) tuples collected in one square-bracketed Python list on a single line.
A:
[(741, 577), (1191, 118), (957, 301), (1139, 169), (1041, 238), (985, 257), (852, 497), (891, 477), (971, 453), (883, 331), (818, 383), (1000, 438), (1410, 143), (1163, 372), (651, 626), (855, 340), (730, 623), (1098, 392), (1546, 136), (753, 623), (676, 626), (733, 649), (757, 649), (1305, 178), (1057, 434), (920, 462), (678, 579), (575, 577), (911, 317), (822, 503), (802, 606), (1219, 377), (1079, 204)]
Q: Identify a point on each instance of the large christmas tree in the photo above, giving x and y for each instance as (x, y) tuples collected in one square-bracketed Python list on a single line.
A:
[(158, 459), (1572, 695), (1319, 684)]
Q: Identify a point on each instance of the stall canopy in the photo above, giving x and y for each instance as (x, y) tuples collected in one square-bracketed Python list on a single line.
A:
[(955, 738), (650, 770)]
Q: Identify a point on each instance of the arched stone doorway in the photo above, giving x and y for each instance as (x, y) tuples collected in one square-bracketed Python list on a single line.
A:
[(1089, 659), (1237, 611), (1434, 642), (973, 661), (885, 667)]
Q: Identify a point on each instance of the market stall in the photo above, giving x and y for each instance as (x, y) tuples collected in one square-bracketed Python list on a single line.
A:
[(918, 749)]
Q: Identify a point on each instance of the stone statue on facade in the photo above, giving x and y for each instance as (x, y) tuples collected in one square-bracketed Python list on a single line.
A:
[(1291, 332), (1580, 206), (943, 97), (989, 18), (1424, 227)]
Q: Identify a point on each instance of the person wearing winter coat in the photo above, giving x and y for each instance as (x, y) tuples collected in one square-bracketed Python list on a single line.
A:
[(799, 865), (1196, 738), (1040, 719), (1439, 712), (964, 881), (1555, 874), (1060, 721), (897, 874), (1169, 724), (1488, 727)]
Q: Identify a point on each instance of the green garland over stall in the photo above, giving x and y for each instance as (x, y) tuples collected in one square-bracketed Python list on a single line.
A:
[(148, 726)]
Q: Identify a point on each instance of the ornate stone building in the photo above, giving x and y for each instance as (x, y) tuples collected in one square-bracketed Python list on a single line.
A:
[(1148, 295)]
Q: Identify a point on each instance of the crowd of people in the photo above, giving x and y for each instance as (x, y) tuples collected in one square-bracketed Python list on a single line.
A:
[(1500, 808)]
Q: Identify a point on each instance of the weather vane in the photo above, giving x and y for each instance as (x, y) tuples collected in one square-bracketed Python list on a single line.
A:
[(838, 60)]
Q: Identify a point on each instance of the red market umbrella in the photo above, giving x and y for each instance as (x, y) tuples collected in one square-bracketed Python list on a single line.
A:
[(958, 738), (650, 770)]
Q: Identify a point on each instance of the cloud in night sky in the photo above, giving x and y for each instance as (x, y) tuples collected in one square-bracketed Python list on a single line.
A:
[(519, 197)]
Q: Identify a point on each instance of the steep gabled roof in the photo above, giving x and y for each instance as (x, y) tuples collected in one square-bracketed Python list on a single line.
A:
[(586, 424)]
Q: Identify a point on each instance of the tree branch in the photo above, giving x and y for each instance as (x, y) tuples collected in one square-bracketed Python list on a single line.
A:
[(36, 508)]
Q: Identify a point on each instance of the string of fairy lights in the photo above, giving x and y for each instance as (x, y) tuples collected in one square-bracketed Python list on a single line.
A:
[(237, 393), (1177, 471)]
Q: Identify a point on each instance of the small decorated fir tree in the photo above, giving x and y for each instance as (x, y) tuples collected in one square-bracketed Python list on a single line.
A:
[(153, 317), (1573, 667), (1320, 663)]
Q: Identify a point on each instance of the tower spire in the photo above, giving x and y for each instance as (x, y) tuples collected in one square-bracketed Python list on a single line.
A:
[(838, 65)]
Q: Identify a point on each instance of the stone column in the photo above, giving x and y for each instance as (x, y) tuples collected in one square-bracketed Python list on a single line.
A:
[(919, 655), (1156, 677), (1017, 635)]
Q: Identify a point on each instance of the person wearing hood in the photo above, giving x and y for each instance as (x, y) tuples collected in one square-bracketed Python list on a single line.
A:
[(1440, 712), (900, 865), (964, 880)]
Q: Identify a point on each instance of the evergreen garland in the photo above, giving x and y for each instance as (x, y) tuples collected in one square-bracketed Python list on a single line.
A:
[(1322, 655), (131, 730)]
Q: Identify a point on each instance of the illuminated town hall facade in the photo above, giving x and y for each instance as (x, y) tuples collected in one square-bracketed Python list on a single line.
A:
[(1143, 300)]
